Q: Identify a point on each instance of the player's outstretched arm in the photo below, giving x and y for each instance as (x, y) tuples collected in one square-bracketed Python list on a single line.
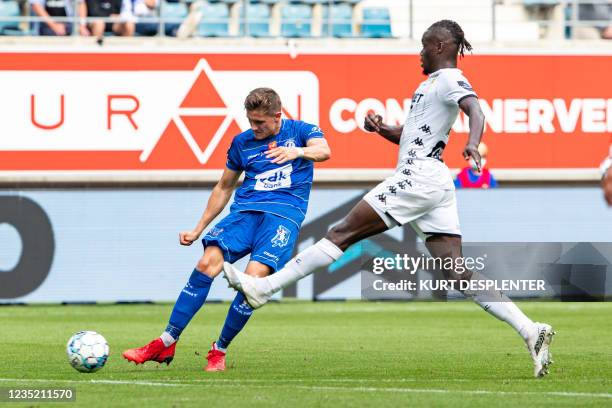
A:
[(373, 123), (471, 107), (218, 200)]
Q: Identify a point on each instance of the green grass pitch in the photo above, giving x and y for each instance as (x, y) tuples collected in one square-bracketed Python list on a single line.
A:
[(319, 354)]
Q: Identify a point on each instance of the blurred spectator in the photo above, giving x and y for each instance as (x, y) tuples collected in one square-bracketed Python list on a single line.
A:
[(108, 8), (137, 10), (606, 182), (47, 9), (470, 177), (601, 15)]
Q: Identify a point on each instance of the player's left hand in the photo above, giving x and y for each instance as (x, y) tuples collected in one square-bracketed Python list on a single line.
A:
[(280, 155), (471, 151)]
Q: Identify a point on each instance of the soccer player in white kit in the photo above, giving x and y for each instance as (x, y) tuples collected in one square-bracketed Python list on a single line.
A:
[(421, 192)]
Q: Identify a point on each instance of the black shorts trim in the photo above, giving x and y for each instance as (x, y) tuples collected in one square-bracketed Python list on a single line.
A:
[(441, 234), (399, 224)]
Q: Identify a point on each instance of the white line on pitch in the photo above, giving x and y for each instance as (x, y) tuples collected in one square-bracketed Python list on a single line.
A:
[(320, 388)]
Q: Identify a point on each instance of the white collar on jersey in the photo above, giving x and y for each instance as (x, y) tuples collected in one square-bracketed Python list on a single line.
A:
[(438, 72)]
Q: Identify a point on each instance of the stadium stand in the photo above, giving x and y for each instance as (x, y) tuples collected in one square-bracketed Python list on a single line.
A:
[(8, 9), (258, 17), (296, 20), (376, 23), (484, 20), (215, 20), (340, 18), (173, 12)]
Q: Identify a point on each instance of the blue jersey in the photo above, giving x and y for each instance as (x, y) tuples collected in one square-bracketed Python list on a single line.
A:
[(280, 189)]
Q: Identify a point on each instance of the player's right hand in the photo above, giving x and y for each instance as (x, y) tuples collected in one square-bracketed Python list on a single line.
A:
[(187, 237), (372, 122)]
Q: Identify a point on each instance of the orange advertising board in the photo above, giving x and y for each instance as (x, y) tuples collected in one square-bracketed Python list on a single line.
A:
[(148, 111)]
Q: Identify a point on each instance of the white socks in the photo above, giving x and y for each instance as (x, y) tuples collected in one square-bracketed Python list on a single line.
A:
[(167, 339), (500, 306), (321, 254)]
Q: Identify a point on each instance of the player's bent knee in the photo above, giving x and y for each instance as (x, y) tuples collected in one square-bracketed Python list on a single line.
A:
[(210, 263), (340, 235)]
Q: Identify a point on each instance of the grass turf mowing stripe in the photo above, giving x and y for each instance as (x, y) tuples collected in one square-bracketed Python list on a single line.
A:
[(232, 383)]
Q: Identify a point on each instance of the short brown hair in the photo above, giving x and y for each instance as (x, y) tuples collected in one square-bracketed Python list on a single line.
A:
[(265, 99)]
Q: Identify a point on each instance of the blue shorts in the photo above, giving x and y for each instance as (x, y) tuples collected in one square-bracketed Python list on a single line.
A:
[(267, 237)]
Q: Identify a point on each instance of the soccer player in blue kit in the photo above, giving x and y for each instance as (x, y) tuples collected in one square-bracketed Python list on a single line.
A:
[(277, 158)]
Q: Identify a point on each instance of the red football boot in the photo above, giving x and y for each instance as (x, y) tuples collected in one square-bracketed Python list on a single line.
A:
[(154, 351), (216, 359)]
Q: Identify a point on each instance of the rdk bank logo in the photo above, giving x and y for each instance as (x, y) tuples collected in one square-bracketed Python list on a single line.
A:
[(107, 120)]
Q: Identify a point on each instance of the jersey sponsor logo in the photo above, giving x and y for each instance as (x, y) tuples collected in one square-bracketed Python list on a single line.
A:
[(281, 238), (465, 85), (274, 179)]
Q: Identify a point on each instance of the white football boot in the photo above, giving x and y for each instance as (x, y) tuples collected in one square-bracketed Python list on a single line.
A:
[(257, 291), (538, 344)]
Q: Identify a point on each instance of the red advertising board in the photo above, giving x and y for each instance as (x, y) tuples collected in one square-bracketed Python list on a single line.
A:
[(148, 111)]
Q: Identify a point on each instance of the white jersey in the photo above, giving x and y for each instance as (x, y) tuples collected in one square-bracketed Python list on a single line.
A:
[(434, 109)]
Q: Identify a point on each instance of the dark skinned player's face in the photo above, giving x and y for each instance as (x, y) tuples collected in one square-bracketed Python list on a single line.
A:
[(428, 53)]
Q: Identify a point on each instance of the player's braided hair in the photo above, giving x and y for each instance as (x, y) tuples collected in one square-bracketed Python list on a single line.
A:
[(456, 32)]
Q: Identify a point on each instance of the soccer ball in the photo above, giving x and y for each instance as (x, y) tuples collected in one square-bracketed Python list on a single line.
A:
[(87, 351)]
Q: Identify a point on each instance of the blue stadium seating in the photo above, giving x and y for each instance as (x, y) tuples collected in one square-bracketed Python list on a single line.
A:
[(215, 20), (296, 20), (532, 3), (258, 16), (9, 8), (173, 12), (341, 20), (376, 23)]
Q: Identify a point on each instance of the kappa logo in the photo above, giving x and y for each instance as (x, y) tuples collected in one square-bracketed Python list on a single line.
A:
[(465, 85), (212, 109), (281, 238)]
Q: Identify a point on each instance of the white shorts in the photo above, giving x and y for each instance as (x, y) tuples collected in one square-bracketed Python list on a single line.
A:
[(430, 210)]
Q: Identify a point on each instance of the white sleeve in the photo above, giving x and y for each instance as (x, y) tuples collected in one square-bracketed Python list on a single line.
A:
[(454, 87)]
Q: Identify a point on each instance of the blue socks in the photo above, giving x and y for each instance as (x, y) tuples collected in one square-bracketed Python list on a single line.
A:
[(237, 317), (190, 300)]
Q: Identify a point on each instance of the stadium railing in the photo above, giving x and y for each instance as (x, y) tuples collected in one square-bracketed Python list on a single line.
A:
[(488, 20)]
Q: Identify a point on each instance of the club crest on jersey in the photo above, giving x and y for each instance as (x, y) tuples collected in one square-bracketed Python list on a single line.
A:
[(290, 143), (274, 179), (281, 238), (272, 145)]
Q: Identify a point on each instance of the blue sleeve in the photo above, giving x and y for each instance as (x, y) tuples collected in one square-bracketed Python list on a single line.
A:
[(308, 131), (492, 181), (457, 183), (234, 161)]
